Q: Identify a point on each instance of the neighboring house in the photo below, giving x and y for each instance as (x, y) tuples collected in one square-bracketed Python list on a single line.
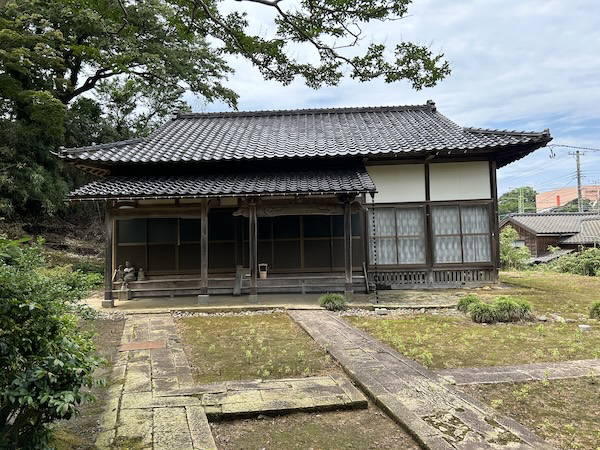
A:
[(545, 201), (330, 199), (565, 230)]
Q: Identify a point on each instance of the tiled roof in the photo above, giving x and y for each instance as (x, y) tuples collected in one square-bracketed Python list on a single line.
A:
[(324, 181), (589, 234), (304, 134), (551, 223)]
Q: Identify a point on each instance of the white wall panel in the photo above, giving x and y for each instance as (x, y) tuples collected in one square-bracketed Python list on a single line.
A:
[(460, 181), (398, 183)]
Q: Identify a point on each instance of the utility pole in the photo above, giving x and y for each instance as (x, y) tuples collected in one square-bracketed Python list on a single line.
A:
[(521, 201), (579, 195)]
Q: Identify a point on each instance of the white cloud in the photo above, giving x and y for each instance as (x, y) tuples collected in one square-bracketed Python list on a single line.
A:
[(519, 65)]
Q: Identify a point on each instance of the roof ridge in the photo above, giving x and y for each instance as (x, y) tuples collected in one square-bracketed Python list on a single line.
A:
[(558, 213), (546, 132), (430, 105)]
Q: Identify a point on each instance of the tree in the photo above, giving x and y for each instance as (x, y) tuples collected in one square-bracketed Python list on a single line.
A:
[(150, 52), (511, 257), (508, 203)]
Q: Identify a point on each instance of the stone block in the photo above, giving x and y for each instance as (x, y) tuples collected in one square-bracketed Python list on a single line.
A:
[(200, 432)]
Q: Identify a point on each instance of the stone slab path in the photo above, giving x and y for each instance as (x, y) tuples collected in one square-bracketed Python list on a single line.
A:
[(250, 398), (136, 416), (154, 403), (525, 372), (436, 414)]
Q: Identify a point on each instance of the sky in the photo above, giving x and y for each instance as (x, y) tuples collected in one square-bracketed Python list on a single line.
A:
[(517, 65)]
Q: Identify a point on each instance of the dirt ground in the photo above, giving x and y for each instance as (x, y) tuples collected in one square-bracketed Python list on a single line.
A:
[(360, 429)]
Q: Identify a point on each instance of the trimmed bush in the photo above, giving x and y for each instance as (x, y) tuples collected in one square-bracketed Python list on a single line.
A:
[(509, 309), (466, 301), (595, 311), (333, 302), (482, 312)]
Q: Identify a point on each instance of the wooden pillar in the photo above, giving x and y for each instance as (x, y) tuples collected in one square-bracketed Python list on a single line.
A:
[(253, 250), (348, 245), (108, 301), (495, 225), (203, 297)]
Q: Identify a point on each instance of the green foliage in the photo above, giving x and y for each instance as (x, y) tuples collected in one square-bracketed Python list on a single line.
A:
[(595, 310), (46, 361), (333, 302), (502, 309), (509, 309), (511, 257), (508, 203), (482, 312), (584, 262), (465, 301), (140, 57)]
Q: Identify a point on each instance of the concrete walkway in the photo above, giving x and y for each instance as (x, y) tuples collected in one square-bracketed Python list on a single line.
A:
[(525, 372), (437, 415)]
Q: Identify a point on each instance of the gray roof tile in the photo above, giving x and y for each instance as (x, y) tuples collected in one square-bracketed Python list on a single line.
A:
[(551, 223), (303, 134), (322, 181), (589, 234)]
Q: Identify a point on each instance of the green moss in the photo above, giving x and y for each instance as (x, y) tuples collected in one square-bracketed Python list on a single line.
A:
[(564, 412), (459, 342), (247, 347)]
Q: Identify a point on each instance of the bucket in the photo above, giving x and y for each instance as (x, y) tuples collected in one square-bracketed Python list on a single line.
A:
[(262, 270)]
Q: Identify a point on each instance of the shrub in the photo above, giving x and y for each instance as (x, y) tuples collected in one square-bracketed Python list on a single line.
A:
[(509, 309), (595, 310), (465, 301), (482, 312), (586, 262), (45, 360), (333, 302)]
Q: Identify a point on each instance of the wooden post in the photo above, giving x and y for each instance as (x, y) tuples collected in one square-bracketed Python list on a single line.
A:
[(108, 301), (348, 245), (253, 250), (203, 297)]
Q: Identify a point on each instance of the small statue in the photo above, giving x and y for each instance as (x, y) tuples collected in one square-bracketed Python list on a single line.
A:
[(141, 275), (120, 273), (128, 273)]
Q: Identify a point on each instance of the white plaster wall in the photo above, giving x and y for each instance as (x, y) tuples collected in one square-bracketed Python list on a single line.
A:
[(398, 183), (459, 181)]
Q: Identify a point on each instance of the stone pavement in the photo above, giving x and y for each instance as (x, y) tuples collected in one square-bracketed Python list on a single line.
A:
[(136, 416), (525, 372), (153, 402), (436, 414), (233, 399)]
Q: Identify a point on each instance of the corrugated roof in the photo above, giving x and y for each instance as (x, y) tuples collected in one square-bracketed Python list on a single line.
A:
[(323, 181), (342, 132), (551, 223), (589, 234)]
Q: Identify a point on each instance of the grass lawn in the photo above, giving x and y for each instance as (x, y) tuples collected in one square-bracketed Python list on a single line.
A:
[(359, 429), (561, 293), (221, 348), (564, 412), (441, 342), (80, 431)]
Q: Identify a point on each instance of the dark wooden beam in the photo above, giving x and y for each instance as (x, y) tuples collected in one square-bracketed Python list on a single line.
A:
[(348, 244), (108, 301), (204, 247), (253, 248)]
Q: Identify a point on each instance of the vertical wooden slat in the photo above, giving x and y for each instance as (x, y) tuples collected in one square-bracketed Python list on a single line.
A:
[(348, 244), (204, 247), (253, 246)]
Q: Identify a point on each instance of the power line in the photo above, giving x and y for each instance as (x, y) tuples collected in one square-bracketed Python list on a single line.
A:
[(576, 147)]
